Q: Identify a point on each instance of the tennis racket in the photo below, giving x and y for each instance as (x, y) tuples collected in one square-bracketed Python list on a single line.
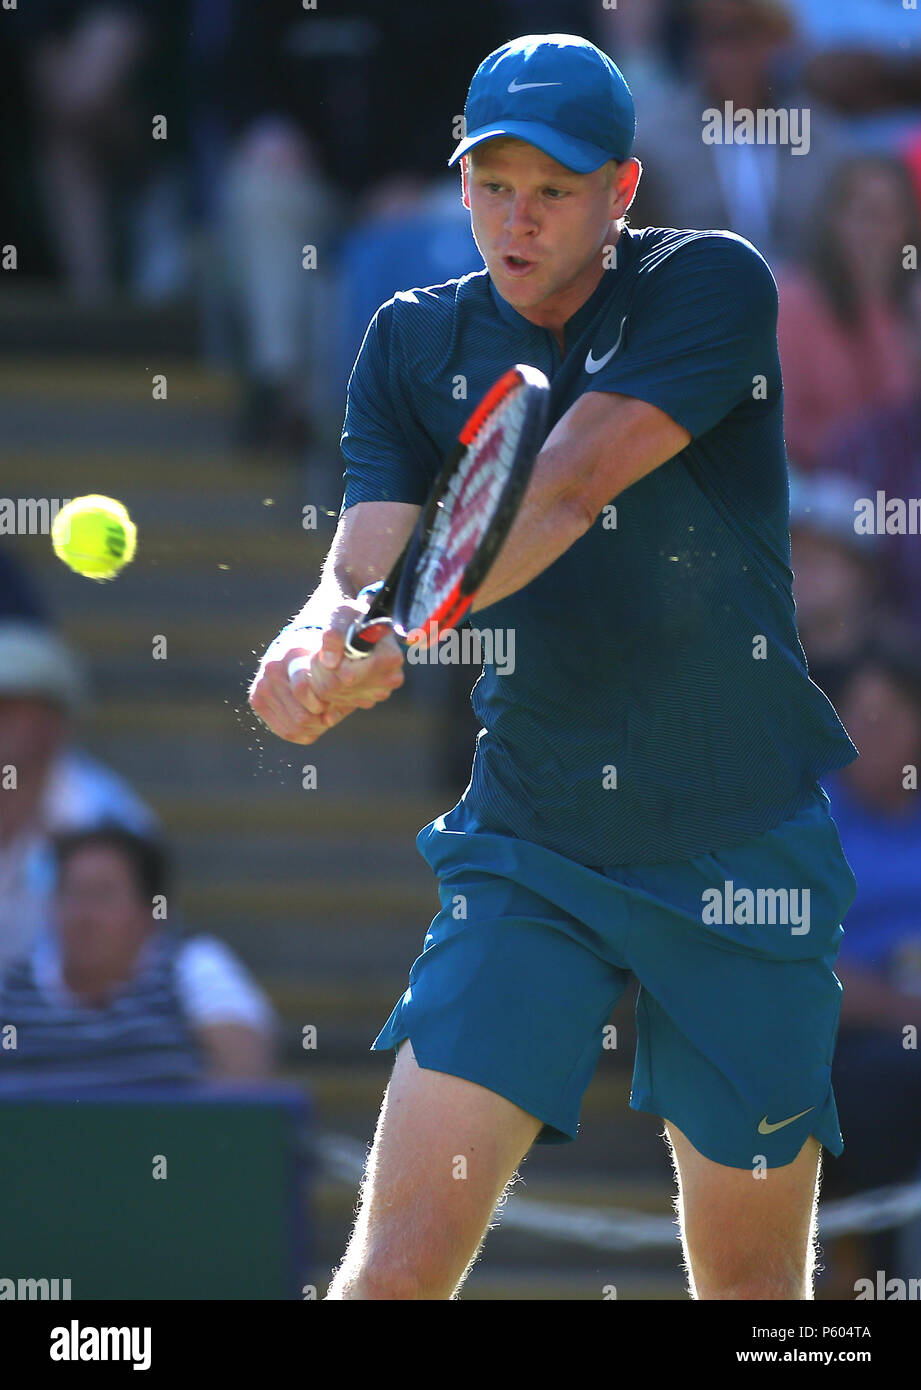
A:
[(465, 521)]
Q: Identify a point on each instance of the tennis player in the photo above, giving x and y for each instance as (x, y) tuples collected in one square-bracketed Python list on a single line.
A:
[(644, 795)]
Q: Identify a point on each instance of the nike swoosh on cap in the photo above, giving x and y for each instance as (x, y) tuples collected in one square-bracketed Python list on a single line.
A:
[(594, 365), (765, 1128), (515, 86)]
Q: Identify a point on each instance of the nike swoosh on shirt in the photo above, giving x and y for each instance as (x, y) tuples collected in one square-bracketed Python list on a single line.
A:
[(594, 365), (514, 86), (765, 1128)]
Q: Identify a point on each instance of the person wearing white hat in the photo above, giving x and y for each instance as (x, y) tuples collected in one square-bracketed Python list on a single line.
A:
[(47, 784)]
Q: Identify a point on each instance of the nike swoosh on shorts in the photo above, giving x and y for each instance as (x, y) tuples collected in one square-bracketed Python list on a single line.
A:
[(765, 1128)]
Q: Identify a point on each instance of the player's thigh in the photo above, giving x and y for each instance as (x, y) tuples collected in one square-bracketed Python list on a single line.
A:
[(744, 1224), (444, 1151)]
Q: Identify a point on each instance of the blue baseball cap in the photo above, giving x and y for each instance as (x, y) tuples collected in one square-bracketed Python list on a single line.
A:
[(556, 91)]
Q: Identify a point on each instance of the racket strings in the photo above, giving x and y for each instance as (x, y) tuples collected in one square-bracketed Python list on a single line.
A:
[(468, 506)]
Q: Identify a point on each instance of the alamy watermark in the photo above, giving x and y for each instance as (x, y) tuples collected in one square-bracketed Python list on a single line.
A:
[(468, 646), (887, 1290), (739, 125), (762, 907), (27, 1290), (85, 1343), (29, 516), (887, 516)]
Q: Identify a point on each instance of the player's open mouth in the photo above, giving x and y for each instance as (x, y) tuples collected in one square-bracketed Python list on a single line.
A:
[(517, 265)]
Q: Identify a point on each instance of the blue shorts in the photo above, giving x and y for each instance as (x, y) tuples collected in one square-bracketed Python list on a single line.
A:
[(738, 1006)]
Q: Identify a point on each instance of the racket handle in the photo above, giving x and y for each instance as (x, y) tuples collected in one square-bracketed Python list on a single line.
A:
[(364, 633), (362, 636), (355, 646)]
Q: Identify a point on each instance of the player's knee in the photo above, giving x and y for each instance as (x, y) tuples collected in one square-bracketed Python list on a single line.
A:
[(392, 1275), (759, 1289), (424, 1259), (388, 1281), (748, 1281)]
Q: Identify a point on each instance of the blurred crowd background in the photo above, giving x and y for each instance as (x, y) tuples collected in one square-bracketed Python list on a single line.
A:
[(273, 173)]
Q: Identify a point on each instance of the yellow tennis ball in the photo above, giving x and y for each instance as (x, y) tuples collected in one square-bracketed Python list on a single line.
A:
[(94, 535)]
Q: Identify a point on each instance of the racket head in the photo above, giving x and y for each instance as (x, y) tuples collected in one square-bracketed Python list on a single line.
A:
[(472, 506)]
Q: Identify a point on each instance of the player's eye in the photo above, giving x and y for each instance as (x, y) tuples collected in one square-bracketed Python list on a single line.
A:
[(556, 193)]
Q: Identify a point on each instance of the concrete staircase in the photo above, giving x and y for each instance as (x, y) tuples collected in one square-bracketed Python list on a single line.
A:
[(320, 891)]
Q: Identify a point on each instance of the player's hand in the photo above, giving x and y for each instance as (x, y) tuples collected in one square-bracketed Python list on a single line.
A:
[(321, 693), (342, 683), (270, 694)]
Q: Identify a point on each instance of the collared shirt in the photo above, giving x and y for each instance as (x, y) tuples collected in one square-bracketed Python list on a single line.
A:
[(659, 706)]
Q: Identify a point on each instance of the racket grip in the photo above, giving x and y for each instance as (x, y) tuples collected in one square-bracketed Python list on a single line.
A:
[(362, 637)]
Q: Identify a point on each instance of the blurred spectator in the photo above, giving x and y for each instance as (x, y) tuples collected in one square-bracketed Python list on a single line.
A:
[(634, 36), (880, 452), (82, 59), (877, 806), (766, 192), (109, 996), (909, 151), (46, 784), (276, 203), (362, 80), (834, 576), (849, 324), (863, 57), (290, 112), (419, 237)]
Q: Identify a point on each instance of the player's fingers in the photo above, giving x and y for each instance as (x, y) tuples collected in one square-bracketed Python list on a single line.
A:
[(301, 696), (302, 728), (292, 696), (387, 652), (308, 705), (288, 719), (304, 695), (294, 675), (277, 705), (364, 698), (332, 716), (362, 678), (352, 674), (323, 683), (364, 673), (274, 716), (332, 649)]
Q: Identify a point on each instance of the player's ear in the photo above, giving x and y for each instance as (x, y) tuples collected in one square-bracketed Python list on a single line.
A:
[(627, 181), (465, 190)]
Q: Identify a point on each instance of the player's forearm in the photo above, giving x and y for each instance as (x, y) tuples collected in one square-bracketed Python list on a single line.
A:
[(339, 585), (551, 519), (329, 595), (368, 540), (602, 445)]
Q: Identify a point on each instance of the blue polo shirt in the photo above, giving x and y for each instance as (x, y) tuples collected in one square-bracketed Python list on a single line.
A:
[(659, 706)]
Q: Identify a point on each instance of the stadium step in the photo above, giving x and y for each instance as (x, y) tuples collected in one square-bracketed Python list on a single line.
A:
[(98, 338), (218, 744)]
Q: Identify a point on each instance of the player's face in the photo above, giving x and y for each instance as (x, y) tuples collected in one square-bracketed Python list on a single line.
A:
[(540, 227)]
